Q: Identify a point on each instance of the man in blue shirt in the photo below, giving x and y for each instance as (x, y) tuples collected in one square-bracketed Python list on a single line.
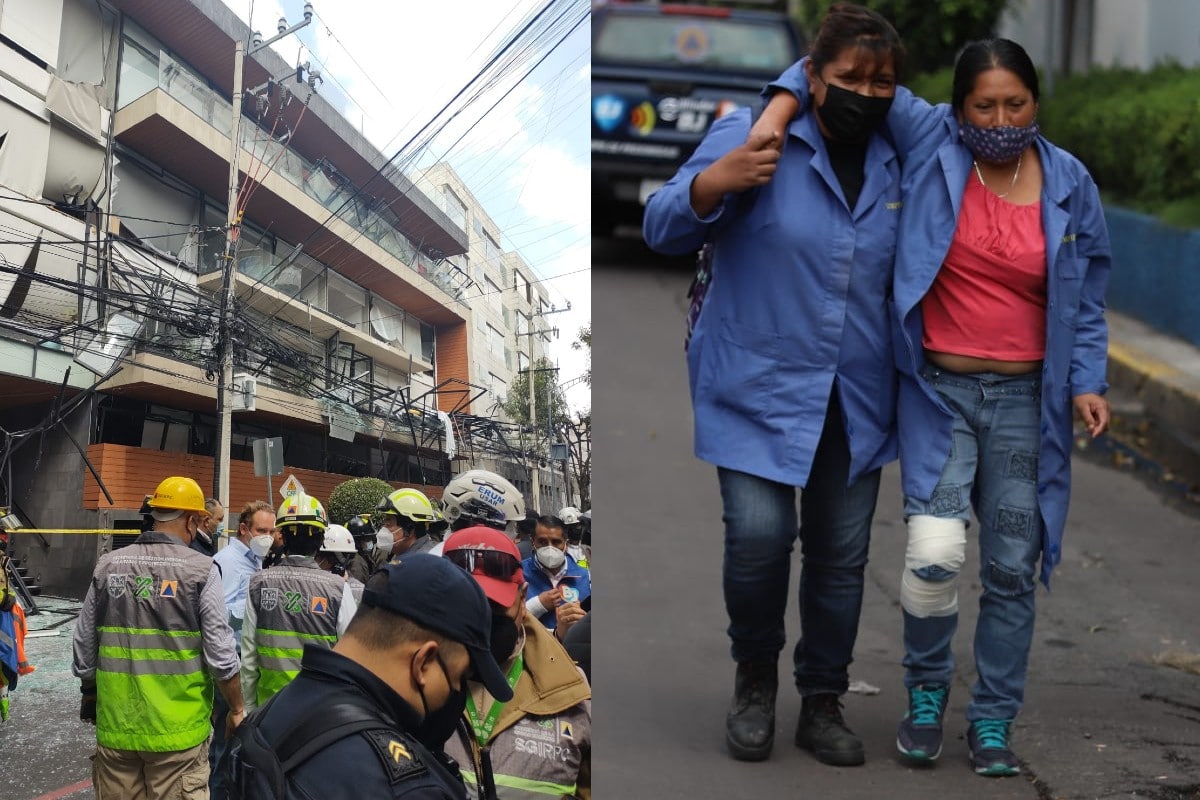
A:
[(238, 560), (560, 591)]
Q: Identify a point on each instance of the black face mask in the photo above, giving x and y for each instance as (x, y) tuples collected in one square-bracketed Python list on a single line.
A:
[(852, 117), (504, 637), (437, 726)]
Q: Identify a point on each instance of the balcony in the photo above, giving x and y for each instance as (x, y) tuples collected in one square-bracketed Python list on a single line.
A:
[(322, 325), (184, 126)]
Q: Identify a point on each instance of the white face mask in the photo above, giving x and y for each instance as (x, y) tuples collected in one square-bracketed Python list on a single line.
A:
[(261, 545), (367, 547), (550, 558), (384, 540)]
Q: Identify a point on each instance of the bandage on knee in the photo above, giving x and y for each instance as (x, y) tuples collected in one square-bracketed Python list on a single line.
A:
[(937, 550)]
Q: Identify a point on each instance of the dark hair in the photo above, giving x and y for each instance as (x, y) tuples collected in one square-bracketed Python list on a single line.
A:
[(526, 527), (302, 539), (551, 521), (382, 629), (979, 57), (850, 25)]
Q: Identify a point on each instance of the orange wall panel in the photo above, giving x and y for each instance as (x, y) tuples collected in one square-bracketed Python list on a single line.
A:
[(130, 473), (452, 362)]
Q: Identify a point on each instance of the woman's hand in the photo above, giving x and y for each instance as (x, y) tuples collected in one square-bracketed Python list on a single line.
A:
[(748, 165), (1094, 411)]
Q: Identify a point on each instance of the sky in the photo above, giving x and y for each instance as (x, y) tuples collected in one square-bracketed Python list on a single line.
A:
[(391, 67)]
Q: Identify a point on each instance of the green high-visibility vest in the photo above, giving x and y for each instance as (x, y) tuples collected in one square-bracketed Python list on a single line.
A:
[(295, 603), (152, 692)]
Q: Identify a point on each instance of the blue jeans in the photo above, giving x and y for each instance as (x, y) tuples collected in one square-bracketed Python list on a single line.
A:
[(993, 467), (834, 531)]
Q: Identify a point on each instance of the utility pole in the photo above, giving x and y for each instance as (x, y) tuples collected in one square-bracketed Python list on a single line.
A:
[(535, 471), (229, 273)]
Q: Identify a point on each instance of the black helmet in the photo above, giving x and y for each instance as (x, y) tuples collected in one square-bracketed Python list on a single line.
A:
[(360, 527)]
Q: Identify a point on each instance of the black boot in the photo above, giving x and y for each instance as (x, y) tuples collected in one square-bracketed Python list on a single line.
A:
[(750, 724), (823, 731)]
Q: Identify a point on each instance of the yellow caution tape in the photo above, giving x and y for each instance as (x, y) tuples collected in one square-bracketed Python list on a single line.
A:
[(71, 530)]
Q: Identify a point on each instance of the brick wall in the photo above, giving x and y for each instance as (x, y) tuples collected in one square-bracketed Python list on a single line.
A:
[(130, 473)]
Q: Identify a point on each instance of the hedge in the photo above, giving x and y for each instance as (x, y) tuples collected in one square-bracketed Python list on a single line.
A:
[(1137, 132)]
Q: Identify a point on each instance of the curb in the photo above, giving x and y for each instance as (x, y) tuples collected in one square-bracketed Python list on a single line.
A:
[(1164, 374)]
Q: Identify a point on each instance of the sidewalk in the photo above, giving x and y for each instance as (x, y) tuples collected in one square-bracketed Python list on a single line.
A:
[(1162, 375)]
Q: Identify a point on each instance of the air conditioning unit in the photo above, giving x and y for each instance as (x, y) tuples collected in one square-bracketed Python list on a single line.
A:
[(245, 387)]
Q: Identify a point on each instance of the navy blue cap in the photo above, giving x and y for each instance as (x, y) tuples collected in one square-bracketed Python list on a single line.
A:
[(442, 597)]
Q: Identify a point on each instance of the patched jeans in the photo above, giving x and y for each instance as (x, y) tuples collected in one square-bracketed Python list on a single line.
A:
[(834, 531), (993, 467)]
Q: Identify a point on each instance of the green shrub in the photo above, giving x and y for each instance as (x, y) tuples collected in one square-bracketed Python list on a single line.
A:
[(356, 496), (933, 86)]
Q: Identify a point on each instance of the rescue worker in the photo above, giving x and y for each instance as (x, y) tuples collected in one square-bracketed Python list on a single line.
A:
[(423, 627), (540, 742), (205, 542), (369, 556), (336, 552), (154, 616), (9, 635), (292, 604), (480, 497), (573, 528), (408, 515)]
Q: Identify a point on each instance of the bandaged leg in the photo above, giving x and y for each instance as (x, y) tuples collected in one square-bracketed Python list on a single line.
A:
[(937, 549)]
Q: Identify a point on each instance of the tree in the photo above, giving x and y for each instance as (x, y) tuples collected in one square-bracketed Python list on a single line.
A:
[(545, 390), (585, 340), (577, 432), (356, 496), (932, 32)]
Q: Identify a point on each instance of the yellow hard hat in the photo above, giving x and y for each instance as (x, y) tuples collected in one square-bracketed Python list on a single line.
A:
[(301, 509), (178, 494)]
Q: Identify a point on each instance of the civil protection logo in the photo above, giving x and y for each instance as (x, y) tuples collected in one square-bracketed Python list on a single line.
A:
[(269, 598), (608, 110), (117, 584), (319, 605)]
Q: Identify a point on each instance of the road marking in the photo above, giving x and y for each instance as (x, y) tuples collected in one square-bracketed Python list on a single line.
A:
[(66, 790)]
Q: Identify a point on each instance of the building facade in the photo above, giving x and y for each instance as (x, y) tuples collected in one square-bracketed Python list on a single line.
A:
[(511, 327), (355, 333)]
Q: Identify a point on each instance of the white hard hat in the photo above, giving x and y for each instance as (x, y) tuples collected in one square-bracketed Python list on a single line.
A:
[(480, 495), (338, 540), (569, 515)]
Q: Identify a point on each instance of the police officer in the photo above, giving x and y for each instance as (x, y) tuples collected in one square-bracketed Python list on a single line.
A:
[(423, 628), (156, 610)]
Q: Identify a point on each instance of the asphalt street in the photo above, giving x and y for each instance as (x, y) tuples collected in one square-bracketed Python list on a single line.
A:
[(1105, 716)]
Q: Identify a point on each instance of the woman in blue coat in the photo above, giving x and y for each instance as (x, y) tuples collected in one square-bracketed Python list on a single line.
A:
[(1001, 269), (791, 370)]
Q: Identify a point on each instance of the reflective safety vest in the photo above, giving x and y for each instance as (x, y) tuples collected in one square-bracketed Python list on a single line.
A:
[(152, 691), (543, 735), (295, 603)]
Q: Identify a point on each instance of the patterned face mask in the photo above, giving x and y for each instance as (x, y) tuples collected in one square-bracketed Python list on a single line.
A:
[(999, 145)]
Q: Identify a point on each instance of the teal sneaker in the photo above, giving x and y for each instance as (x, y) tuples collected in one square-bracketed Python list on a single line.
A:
[(919, 737), (987, 741)]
